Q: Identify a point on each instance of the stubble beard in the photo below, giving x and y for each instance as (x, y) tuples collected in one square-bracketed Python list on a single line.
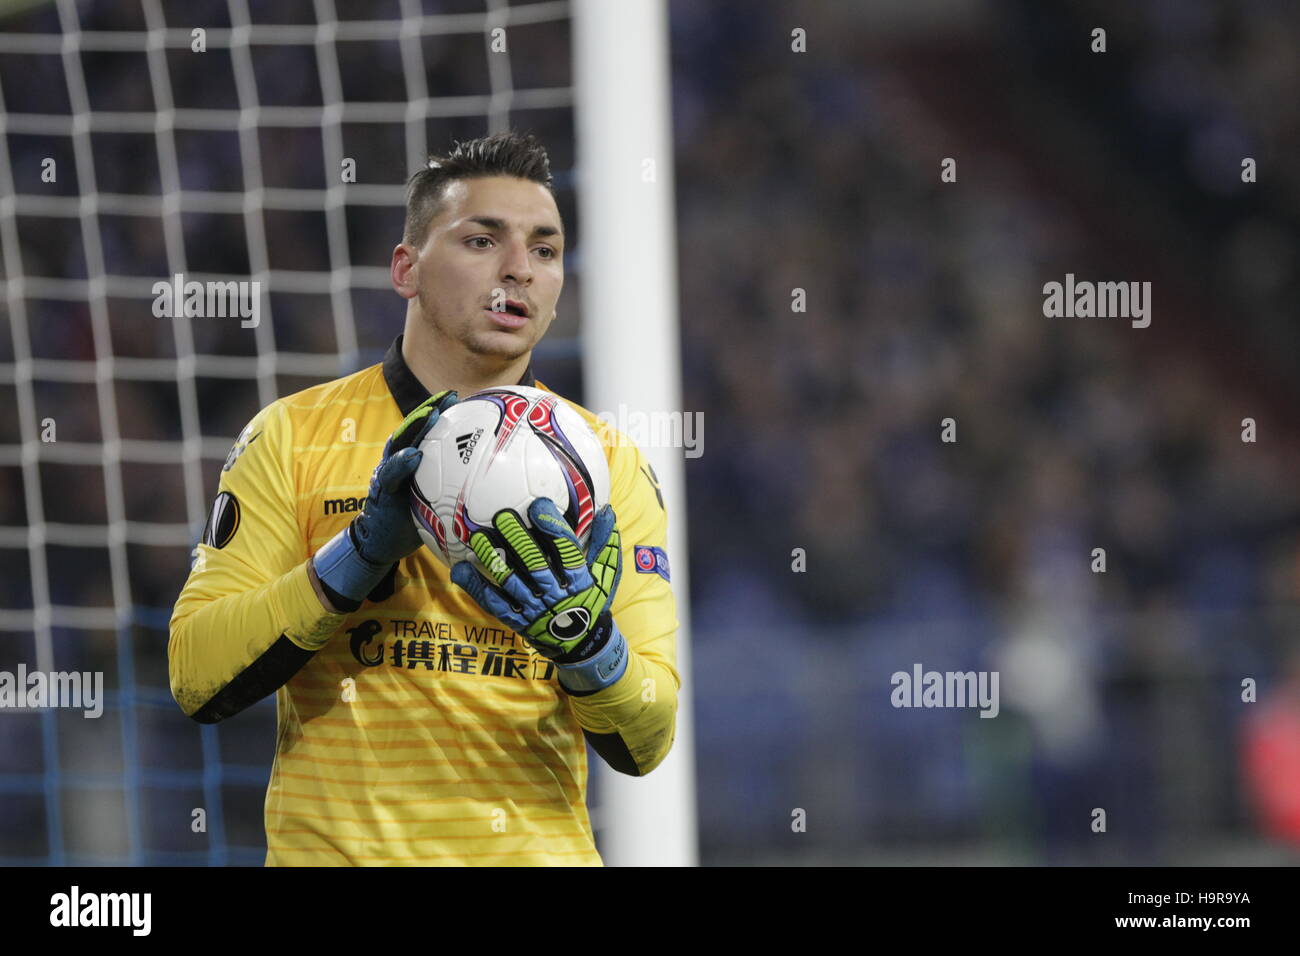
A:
[(495, 345), (485, 343)]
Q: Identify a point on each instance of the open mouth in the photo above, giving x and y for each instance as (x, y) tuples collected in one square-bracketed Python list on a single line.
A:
[(511, 318)]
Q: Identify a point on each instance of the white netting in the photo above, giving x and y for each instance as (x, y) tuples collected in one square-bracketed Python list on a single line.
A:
[(219, 165)]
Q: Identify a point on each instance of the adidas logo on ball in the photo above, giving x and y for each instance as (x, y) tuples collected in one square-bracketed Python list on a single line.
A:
[(465, 445), (505, 447)]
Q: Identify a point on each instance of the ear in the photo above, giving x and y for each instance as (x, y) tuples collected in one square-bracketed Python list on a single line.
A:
[(404, 272)]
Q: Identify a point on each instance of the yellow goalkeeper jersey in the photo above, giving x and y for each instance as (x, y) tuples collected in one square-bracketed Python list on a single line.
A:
[(417, 730)]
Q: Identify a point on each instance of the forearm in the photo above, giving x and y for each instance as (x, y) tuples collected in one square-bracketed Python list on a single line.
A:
[(227, 652), (319, 590), (632, 723)]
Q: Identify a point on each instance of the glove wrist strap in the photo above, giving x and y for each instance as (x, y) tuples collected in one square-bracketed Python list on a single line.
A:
[(599, 671), (343, 570)]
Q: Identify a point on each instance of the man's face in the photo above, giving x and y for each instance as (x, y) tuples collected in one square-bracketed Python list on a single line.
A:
[(496, 241)]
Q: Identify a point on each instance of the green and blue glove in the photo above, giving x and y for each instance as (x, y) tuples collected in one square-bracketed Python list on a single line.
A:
[(545, 588), (358, 558)]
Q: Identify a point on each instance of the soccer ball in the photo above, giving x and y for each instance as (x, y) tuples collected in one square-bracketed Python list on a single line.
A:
[(504, 448)]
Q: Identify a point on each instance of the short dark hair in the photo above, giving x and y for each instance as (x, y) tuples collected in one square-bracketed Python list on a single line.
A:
[(503, 154)]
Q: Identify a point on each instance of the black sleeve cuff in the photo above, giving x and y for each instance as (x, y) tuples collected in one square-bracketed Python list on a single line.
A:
[(264, 676), (612, 750)]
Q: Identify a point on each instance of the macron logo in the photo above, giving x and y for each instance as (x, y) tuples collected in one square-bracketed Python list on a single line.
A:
[(102, 909)]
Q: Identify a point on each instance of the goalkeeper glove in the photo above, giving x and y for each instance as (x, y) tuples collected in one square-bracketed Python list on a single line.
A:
[(550, 593), (355, 560)]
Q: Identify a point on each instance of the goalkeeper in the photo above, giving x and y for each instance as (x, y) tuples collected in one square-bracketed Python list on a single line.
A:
[(426, 716)]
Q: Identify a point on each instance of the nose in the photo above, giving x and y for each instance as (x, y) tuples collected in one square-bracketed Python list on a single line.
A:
[(515, 267)]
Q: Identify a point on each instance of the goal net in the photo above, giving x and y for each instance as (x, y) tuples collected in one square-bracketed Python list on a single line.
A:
[(227, 141)]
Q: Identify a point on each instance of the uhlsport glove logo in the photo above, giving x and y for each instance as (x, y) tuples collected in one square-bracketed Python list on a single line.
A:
[(569, 624)]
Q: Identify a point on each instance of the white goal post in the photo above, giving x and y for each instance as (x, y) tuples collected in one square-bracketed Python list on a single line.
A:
[(630, 349)]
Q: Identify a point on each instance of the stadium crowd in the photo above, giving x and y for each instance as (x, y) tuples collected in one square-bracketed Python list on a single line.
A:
[(839, 305)]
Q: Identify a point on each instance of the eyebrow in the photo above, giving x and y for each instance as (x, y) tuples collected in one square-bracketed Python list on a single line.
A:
[(491, 222)]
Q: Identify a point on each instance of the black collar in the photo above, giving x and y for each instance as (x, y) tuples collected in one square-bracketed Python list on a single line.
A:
[(406, 389)]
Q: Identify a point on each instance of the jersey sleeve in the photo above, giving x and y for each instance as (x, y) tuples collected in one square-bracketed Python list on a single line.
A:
[(248, 617), (632, 723)]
